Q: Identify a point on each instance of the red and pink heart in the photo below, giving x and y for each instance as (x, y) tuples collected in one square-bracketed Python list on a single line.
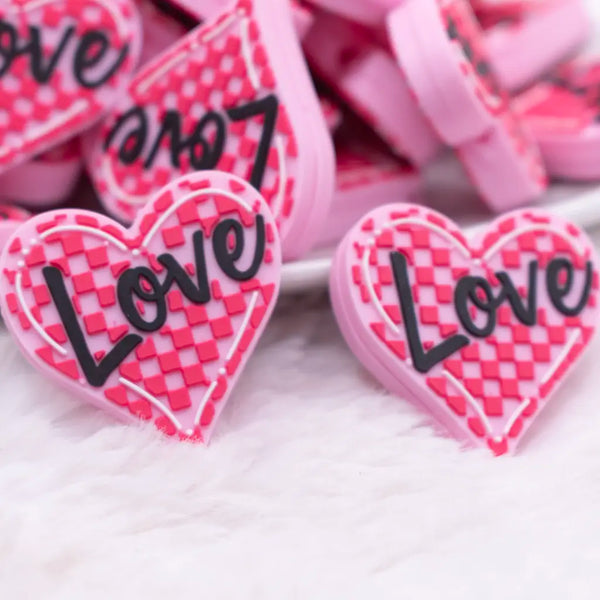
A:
[(152, 323), (479, 333), (63, 65), (234, 95)]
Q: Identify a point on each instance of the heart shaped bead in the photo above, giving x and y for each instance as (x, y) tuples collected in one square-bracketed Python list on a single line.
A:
[(152, 323), (63, 63), (233, 95), (478, 333)]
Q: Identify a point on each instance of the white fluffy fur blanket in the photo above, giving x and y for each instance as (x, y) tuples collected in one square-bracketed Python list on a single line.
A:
[(317, 484)]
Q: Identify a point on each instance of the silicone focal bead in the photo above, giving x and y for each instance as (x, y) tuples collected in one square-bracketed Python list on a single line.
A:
[(233, 95), (152, 323), (63, 65), (478, 333), (440, 48)]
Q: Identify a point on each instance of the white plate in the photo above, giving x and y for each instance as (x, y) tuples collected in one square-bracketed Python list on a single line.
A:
[(579, 204)]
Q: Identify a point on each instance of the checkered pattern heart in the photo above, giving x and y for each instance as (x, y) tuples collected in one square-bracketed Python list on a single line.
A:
[(233, 95), (62, 64), (136, 293), (492, 385)]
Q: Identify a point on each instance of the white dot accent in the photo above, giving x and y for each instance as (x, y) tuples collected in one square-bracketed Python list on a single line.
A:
[(135, 252), (25, 251), (409, 362), (189, 432), (21, 263), (222, 371), (498, 439)]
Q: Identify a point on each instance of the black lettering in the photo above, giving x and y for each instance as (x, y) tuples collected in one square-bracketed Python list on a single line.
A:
[(95, 373), (227, 257), (176, 273), (466, 289), (40, 72), (526, 314), (90, 52), (132, 146), (209, 155), (8, 44), (171, 128), (202, 155), (204, 151), (422, 361), (131, 285), (269, 108), (559, 291)]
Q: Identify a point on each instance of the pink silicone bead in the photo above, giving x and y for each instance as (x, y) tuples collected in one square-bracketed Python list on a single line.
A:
[(91, 64), (519, 48), (154, 323), (454, 86), (368, 79), (563, 114), (440, 48), (477, 333), (505, 166), (235, 95)]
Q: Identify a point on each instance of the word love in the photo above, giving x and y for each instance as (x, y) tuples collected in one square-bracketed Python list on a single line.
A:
[(154, 323), (559, 280), (203, 146), (91, 64), (141, 285), (478, 332)]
